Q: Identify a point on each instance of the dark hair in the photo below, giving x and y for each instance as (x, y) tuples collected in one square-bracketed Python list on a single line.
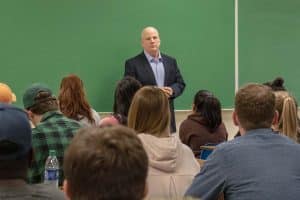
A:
[(255, 106), (72, 100), (124, 92), (209, 108), (276, 84), (106, 163), (44, 102)]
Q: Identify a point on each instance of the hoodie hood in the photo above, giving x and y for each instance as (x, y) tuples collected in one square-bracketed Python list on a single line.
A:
[(164, 153)]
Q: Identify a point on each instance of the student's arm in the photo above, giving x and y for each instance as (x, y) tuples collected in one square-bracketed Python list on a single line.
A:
[(129, 69), (178, 85)]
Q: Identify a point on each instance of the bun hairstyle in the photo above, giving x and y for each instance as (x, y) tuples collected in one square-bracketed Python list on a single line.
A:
[(277, 84), (209, 108)]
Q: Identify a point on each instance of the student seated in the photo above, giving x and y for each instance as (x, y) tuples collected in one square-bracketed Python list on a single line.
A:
[(286, 105), (108, 163), (73, 102), (15, 157), (53, 131), (172, 165), (276, 85), (261, 164), (124, 92), (204, 125)]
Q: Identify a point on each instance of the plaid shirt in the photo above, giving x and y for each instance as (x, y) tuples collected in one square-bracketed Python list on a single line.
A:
[(54, 132)]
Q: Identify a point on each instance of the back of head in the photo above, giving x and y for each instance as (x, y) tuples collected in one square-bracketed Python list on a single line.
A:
[(107, 163), (255, 106), (15, 142), (6, 95), (149, 111), (209, 107), (125, 90), (72, 99), (287, 109), (39, 99)]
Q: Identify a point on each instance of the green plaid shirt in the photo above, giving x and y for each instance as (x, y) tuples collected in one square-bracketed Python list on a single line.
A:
[(54, 132)]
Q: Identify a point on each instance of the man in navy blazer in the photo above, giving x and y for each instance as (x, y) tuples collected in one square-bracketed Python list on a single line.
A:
[(151, 67)]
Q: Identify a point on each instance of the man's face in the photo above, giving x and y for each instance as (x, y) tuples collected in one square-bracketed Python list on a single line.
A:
[(151, 41)]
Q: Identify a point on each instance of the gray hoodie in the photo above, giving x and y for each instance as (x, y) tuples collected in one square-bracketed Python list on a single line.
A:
[(172, 166)]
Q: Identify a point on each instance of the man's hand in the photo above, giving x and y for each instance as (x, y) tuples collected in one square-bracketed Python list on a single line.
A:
[(167, 90)]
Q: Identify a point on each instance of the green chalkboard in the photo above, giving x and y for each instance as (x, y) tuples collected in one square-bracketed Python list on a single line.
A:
[(42, 41), (269, 43)]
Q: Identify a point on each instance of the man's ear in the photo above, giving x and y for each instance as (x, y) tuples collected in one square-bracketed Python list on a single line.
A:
[(66, 189), (235, 119), (275, 120), (30, 115)]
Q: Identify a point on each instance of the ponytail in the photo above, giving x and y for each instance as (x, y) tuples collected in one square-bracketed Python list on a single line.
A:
[(288, 122)]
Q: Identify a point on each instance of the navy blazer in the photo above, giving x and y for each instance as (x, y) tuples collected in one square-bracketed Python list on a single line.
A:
[(139, 68)]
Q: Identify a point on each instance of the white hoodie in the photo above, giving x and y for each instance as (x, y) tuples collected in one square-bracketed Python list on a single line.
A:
[(172, 166)]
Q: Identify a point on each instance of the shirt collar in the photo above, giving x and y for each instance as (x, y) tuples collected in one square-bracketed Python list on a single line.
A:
[(260, 131), (49, 114), (150, 58)]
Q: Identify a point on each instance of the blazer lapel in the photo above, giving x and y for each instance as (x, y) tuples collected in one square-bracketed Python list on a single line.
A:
[(167, 68)]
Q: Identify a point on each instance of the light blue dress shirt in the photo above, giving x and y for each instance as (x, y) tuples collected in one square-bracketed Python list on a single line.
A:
[(157, 68)]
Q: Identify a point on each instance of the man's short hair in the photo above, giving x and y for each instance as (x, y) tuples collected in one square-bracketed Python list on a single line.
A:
[(39, 99), (107, 163), (255, 106)]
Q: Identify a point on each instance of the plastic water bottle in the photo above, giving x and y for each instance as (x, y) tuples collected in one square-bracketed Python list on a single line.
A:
[(51, 169)]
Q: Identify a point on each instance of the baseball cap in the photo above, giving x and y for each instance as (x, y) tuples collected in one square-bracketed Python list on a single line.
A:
[(31, 93), (15, 133), (6, 95)]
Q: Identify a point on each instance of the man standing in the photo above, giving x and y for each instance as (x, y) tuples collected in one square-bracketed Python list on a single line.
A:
[(52, 131), (261, 164), (151, 67)]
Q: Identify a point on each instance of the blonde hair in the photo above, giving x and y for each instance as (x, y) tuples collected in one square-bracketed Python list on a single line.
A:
[(149, 111), (287, 109)]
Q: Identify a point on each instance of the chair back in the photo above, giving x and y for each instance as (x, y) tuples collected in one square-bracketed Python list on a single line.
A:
[(206, 150)]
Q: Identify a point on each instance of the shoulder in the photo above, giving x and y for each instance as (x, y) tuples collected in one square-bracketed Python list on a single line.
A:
[(193, 124), (167, 57), (188, 156), (63, 120), (56, 122), (140, 56), (42, 191)]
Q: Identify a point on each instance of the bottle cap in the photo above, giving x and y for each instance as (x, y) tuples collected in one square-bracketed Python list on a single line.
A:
[(52, 152)]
